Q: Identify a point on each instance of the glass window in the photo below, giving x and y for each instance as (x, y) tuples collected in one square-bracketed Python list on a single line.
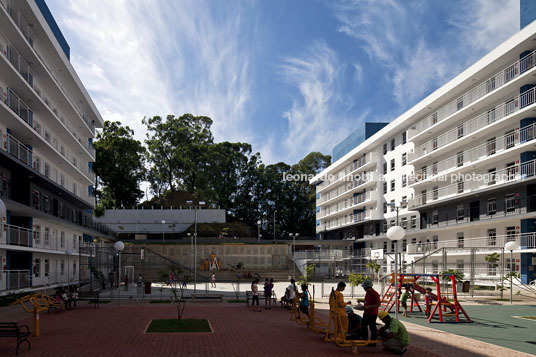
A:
[(413, 221), (404, 137), (47, 267), (460, 213), (384, 168), (434, 168), (435, 193), (404, 180), (392, 185), (385, 187), (392, 164), (434, 118), (404, 159), (511, 171), (392, 205), (460, 186), (491, 146), (491, 176), (37, 234), (509, 139), (492, 237), (461, 241), (492, 206), (459, 158), (384, 149), (459, 103), (392, 144), (434, 143), (435, 217), (510, 203), (37, 269), (460, 131)]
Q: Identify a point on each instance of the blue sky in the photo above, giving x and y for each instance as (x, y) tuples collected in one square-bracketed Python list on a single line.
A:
[(287, 76)]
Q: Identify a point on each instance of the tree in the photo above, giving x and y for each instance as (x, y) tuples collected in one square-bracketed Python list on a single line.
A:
[(177, 151), (356, 279), (492, 260), (119, 166), (372, 265), (308, 274), (445, 276)]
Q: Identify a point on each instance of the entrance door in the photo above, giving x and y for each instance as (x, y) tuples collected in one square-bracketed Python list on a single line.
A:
[(474, 211)]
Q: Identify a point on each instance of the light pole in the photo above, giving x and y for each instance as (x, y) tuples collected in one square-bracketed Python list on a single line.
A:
[(200, 203), (275, 238), (258, 231), (119, 246), (191, 251), (294, 235), (396, 233), (511, 246)]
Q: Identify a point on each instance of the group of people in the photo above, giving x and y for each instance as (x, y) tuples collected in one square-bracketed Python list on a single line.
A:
[(393, 333), (66, 297), (268, 291)]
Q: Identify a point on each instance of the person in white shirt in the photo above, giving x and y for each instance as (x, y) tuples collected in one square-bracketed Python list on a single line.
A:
[(291, 291)]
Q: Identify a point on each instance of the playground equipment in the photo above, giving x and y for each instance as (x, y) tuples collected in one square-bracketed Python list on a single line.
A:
[(37, 304), (441, 302)]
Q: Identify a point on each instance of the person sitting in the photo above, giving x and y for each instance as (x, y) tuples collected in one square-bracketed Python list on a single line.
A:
[(397, 338), (285, 299), (354, 324)]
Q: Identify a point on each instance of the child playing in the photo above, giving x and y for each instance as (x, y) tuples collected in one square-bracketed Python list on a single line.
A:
[(428, 301), (255, 295), (404, 301)]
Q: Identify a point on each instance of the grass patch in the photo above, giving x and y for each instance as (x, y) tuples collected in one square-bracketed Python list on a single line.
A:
[(237, 301), (160, 302), (183, 325), (100, 301)]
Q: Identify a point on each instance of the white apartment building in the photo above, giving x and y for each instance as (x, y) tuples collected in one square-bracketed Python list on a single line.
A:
[(47, 124), (480, 124)]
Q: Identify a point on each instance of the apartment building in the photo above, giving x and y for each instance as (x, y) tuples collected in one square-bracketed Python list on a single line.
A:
[(47, 124), (458, 168)]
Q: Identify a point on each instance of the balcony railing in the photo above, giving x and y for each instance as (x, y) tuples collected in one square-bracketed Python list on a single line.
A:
[(348, 170), (15, 148), (348, 186), (346, 220), (19, 107), (17, 235), (17, 279), (525, 240), (20, 65), (516, 172), (490, 148), (329, 254), (348, 204), (469, 127), (488, 86)]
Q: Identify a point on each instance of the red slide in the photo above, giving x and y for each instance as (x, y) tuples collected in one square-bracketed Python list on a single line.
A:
[(423, 291)]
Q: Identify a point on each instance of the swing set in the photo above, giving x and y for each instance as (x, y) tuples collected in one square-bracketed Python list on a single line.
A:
[(440, 302)]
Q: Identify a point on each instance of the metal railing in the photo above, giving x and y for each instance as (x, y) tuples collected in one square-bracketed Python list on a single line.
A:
[(17, 279), (490, 148), (348, 186), (484, 88), (467, 127), (351, 202), (20, 65), (348, 170), (329, 254), (346, 220), (19, 107), (16, 148), (517, 172)]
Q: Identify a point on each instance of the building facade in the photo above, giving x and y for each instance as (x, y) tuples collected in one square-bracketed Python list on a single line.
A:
[(47, 125), (457, 171)]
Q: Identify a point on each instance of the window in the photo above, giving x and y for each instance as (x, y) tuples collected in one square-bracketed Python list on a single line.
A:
[(434, 118), (460, 240), (492, 206), (47, 169), (491, 116), (62, 239), (37, 269), (405, 199), (435, 193), (435, 267), (47, 235), (385, 246), (491, 146), (435, 217), (392, 144), (74, 240), (509, 139), (511, 233), (392, 204), (413, 221), (491, 176), (460, 186), (459, 103), (385, 207), (404, 222), (384, 168), (492, 237), (404, 245), (62, 180), (423, 170), (423, 197), (404, 159), (492, 268), (404, 180), (392, 164), (460, 131), (74, 267), (510, 203), (385, 187), (47, 267), (434, 143), (511, 171), (460, 213), (392, 185), (384, 149), (434, 168), (459, 158), (62, 267), (404, 137), (435, 239), (37, 235)]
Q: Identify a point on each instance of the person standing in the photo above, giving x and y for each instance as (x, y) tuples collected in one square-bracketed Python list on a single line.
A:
[(291, 292), (268, 286), (213, 280), (255, 295), (370, 312), (340, 305), (404, 301), (75, 296), (397, 338)]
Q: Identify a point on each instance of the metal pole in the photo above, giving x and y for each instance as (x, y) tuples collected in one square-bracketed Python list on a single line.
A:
[(294, 253), (195, 252), (511, 277), (119, 282), (258, 233), (275, 239), (396, 277)]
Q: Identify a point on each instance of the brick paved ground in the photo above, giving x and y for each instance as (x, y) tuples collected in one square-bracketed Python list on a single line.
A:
[(119, 331)]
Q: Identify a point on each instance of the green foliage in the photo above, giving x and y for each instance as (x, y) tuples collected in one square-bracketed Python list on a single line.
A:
[(119, 166), (458, 275), (356, 279), (375, 267), (309, 273), (493, 258)]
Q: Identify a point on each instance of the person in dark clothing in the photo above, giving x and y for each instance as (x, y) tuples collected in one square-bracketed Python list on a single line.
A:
[(354, 324), (370, 313)]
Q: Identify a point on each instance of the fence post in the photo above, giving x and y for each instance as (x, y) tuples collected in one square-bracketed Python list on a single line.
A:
[(322, 289)]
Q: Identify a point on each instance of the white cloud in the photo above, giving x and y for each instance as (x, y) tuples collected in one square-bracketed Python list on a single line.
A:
[(144, 58), (317, 119)]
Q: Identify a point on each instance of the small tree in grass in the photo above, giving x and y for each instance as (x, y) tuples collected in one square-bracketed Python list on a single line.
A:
[(177, 293), (492, 260)]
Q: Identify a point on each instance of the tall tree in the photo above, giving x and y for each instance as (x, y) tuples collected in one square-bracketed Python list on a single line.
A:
[(119, 166), (177, 150)]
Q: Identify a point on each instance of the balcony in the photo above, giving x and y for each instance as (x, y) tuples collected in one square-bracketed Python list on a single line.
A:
[(349, 204), (20, 65), (483, 151), (16, 279), (483, 120), (492, 242), (508, 175), (349, 170), (504, 76), (346, 221), (19, 107), (348, 188)]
